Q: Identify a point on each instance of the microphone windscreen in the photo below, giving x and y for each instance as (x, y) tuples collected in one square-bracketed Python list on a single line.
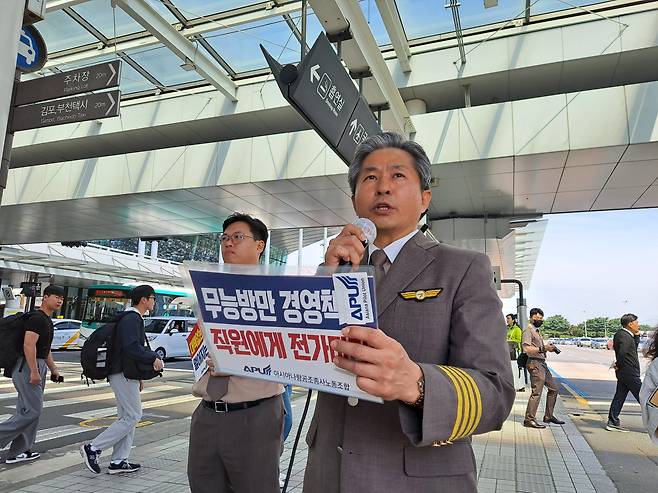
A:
[(368, 227)]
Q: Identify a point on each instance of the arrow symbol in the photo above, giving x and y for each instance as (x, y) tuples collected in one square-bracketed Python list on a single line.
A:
[(314, 72), (114, 72), (111, 104), (352, 126)]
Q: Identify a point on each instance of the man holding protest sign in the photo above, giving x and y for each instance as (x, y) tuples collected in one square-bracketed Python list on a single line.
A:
[(235, 433), (439, 357)]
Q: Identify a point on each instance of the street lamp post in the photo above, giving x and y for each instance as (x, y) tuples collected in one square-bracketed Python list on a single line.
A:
[(585, 322)]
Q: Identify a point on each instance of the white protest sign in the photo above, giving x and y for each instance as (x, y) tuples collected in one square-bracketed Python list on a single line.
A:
[(280, 327)]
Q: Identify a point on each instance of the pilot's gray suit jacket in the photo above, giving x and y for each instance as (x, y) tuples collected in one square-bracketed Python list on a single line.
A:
[(458, 337)]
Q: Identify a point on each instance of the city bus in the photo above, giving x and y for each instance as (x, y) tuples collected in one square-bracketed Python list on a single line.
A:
[(105, 301)]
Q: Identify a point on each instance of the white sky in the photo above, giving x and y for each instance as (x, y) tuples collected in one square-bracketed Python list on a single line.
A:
[(597, 264)]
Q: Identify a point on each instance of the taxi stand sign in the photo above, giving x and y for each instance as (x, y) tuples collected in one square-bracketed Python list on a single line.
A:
[(69, 110), (279, 327), (32, 53)]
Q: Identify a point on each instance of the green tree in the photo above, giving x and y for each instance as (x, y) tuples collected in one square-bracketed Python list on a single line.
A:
[(596, 326), (556, 325), (577, 330), (613, 326)]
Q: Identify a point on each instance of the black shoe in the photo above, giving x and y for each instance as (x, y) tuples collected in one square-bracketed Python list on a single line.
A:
[(123, 466), (90, 458), (25, 456), (613, 427), (554, 420), (531, 423)]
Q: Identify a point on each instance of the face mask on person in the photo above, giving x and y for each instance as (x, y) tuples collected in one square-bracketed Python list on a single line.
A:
[(537, 323)]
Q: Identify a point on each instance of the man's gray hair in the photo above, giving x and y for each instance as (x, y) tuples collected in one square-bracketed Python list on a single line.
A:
[(387, 140)]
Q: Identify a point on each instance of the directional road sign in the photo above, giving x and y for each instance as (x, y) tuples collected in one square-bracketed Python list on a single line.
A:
[(86, 79), (32, 51), (361, 125), (69, 110), (322, 91)]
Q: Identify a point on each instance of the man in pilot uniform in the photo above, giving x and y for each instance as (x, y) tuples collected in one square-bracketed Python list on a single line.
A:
[(439, 358)]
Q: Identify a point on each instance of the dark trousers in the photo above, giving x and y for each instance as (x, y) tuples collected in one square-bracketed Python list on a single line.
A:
[(625, 384)]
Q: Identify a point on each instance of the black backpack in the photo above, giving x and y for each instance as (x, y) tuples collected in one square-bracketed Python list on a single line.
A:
[(96, 354), (522, 360), (12, 335)]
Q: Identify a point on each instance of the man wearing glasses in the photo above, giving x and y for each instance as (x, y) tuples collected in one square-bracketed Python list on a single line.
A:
[(235, 433), (129, 342)]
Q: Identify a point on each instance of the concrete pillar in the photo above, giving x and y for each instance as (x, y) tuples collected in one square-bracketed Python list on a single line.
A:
[(325, 234), (267, 251), (154, 249), (300, 246), (11, 21), (141, 248)]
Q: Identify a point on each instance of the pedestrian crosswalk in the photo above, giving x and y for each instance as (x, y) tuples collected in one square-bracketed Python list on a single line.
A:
[(111, 411), (99, 397), (73, 408)]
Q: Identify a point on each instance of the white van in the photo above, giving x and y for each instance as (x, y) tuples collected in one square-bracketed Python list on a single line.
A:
[(167, 336), (66, 334)]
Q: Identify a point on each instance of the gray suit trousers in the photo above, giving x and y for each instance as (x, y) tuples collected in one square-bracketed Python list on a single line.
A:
[(21, 428), (121, 433), (540, 377), (236, 452)]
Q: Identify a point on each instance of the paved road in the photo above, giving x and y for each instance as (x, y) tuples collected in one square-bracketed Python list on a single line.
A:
[(630, 459), (73, 356), (74, 412)]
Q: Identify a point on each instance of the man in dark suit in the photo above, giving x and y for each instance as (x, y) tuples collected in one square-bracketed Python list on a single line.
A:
[(627, 368), (439, 357)]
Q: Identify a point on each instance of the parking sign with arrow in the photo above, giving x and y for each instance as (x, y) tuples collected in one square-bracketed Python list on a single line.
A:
[(85, 79)]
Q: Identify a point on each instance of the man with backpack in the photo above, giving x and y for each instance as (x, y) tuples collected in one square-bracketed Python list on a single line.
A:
[(128, 345), (29, 377)]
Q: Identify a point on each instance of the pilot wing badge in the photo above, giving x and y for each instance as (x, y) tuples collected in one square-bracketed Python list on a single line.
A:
[(421, 294)]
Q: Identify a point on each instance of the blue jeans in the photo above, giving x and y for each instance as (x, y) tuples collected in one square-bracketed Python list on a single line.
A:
[(287, 418)]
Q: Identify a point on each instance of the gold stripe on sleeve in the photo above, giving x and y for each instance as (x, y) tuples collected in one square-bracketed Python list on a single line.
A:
[(464, 419), (459, 415), (474, 392)]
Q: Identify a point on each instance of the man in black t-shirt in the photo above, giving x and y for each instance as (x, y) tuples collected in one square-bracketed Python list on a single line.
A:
[(29, 378)]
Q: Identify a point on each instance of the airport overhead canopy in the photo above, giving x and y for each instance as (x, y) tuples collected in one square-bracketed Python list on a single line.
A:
[(525, 107), (80, 32)]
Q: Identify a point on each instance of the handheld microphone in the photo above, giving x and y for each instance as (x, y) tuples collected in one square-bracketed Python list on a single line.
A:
[(369, 230)]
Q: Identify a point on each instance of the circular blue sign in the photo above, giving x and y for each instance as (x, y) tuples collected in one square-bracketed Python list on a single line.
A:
[(32, 53)]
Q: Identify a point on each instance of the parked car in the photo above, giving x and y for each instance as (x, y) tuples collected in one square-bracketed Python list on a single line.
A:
[(167, 336), (66, 334), (600, 343), (584, 342)]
